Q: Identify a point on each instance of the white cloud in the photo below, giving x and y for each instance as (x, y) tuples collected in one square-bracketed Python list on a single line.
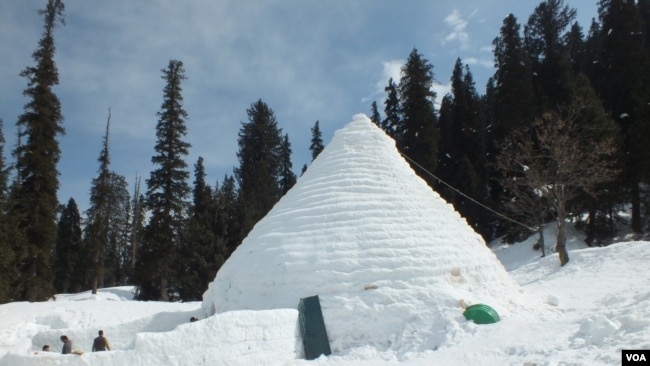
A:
[(457, 29), (391, 69), (479, 61), (441, 90)]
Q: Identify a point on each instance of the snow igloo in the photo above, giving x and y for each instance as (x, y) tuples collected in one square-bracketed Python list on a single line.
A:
[(388, 257)]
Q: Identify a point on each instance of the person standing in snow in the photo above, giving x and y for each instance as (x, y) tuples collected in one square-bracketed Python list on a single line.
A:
[(101, 343), (67, 345)]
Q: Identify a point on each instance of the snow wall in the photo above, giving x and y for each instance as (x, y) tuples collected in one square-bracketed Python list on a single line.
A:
[(259, 337)]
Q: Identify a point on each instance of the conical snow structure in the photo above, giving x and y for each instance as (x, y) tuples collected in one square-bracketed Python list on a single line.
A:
[(375, 242)]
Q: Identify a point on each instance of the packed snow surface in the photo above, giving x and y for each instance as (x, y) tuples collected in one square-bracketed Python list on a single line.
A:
[(363, 232), (389, 260)]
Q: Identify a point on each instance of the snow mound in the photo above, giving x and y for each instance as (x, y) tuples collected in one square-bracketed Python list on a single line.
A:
[(381, 249)]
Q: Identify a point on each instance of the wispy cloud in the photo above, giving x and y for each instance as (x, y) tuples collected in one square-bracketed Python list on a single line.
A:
[(479, 61), (456, 30), (390, 69)]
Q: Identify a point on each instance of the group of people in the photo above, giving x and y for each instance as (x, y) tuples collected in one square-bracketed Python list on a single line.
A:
[(100, 343)]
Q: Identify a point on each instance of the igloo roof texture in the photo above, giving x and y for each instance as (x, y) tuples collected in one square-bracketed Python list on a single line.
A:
[(363, 232)]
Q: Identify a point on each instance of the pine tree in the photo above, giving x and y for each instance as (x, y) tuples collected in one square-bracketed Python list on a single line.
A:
[(7, 263), (4, 172), (98, 218), (644, 13), (598, 126), (544, 39), (447, 150), (374, 114), (36, 159), (287, 176), (18, 245), (106, 231), (228, 224), (260, 163), (203, 252), (463, 150), (70, 264), (137, 224), (593, 48), (167, 189), (392, 124), (419, 132), (514, 97), (575, 44), (316, 141), (116, 262), (623, 87)]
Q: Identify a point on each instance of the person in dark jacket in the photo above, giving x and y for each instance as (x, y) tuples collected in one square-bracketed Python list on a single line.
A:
[(67, 345), (101, 343)]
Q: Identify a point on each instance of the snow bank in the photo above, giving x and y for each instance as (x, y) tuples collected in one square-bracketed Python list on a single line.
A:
[(388, 257), (259, 337)]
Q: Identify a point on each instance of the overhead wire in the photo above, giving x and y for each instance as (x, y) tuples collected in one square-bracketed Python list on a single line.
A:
[(466, 196)]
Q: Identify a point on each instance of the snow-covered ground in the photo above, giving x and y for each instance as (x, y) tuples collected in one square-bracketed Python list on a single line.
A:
[(389, 293)]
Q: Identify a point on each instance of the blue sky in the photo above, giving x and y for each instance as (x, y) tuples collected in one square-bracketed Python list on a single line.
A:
[(308, 60)]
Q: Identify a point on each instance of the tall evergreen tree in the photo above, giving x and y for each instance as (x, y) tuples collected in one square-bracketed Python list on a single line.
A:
[(167, 189), (514, 96), (644, 13), (544, 39), (623, 87), (316, 141), (576, 48), (513, 101), (463, 150), (287, 176), (203, 252), (36, 195), (137, 223), (116, 261), (593, 47), (260, 164), (392, 124), (7, 263), (4, 171), (98, 218), (375, 117), (447, 150), (598, 126), (420, 132), (107, 227), (228, 224), (70, 265), (16, 240)]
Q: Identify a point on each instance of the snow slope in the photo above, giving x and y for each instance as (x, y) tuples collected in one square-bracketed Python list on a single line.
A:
[(602, 306)]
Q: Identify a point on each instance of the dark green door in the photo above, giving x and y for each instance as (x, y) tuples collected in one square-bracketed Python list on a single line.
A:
[(312, 328)]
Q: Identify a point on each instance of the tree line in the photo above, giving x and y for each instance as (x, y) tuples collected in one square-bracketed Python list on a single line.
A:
[(558, 134)]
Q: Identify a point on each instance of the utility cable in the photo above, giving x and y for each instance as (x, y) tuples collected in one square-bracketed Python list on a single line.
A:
[(466, 196)]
